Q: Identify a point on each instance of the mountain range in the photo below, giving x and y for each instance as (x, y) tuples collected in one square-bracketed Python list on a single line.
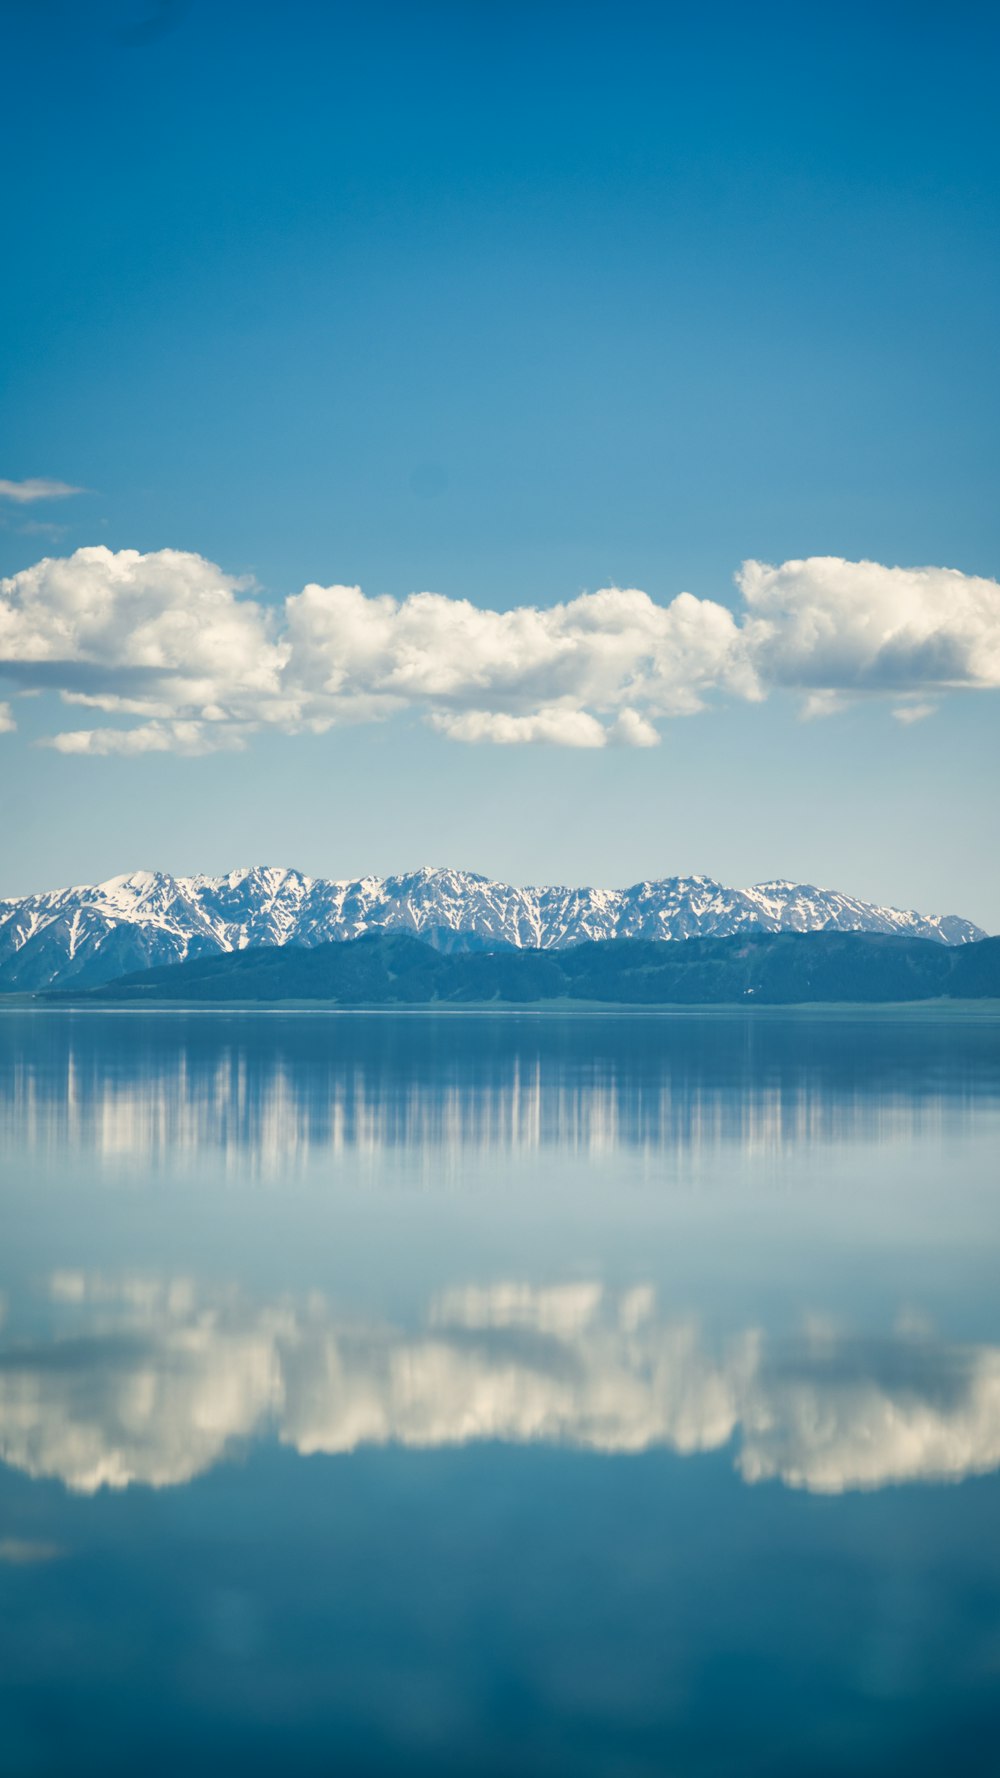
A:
[(396, 969), (86, 936)]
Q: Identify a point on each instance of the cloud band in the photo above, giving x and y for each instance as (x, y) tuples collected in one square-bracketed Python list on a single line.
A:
[(202, 661)]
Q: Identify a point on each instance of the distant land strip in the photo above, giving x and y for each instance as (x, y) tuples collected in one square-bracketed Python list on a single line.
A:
[(396, 970)]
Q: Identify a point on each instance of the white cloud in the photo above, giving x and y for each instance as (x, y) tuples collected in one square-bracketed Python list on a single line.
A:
[(819, 704), (630, 729), (171, 638), (560, 727), (191, 738), (907, 713), (169, 615), (832, 625), (7, 723), (199, 659), (37, 487), (351, 657)]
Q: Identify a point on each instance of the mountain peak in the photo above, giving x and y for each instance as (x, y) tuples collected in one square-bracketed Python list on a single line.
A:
[(139, 880)]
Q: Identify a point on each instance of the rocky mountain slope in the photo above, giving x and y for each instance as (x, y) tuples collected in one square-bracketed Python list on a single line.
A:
[(88, 935)]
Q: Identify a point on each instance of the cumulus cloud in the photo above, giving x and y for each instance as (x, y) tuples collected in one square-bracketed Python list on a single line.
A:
[(172, 615), (198, 660), (37, 487), (829, 625), (520, 675), (155, 1381)]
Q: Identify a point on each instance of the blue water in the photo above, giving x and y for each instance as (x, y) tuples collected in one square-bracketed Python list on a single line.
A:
[(482, 1394)]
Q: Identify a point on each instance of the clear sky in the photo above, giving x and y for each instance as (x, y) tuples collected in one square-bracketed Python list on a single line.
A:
[(509, 304)]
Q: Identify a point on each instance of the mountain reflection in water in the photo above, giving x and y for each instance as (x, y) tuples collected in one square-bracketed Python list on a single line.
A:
[(142, 1380), (272, 1091)]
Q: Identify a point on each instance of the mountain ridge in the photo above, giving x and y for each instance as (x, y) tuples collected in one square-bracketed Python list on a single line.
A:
[(396, 969), (93, 933)]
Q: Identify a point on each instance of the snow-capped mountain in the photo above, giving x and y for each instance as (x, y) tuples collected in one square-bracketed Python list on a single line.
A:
[(91, 934)]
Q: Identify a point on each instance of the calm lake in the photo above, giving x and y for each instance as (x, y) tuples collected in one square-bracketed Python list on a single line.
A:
[(492, 1394)]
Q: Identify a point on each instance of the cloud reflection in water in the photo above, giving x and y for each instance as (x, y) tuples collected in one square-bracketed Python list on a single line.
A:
[(155, 1382)]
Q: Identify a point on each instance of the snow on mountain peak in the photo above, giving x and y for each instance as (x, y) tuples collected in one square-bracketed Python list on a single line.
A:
[(137, 880), (92, 933)]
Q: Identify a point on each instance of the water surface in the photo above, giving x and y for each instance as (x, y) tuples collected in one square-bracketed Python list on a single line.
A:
[(461, 1394)]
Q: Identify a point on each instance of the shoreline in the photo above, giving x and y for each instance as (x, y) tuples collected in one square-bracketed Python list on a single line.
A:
[(984, 1009)]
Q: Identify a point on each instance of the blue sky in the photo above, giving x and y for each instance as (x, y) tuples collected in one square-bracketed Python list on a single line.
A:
[(509, 304)]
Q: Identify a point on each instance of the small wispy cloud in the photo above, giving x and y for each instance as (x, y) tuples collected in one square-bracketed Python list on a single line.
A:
[(36, 487), (818, 704), (914, 712), (558, 727), (7, 723), (191, 738), (40, 528)]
